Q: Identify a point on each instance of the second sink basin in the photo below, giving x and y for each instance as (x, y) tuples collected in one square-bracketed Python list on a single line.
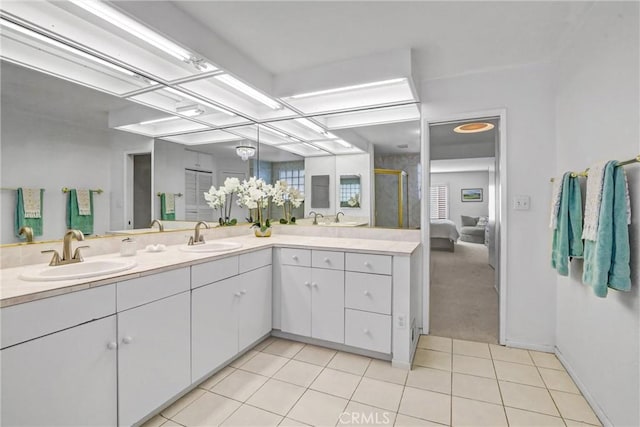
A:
[(79, 270), (211, 247)]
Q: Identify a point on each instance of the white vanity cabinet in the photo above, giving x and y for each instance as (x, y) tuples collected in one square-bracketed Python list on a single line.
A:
[(229, 315)]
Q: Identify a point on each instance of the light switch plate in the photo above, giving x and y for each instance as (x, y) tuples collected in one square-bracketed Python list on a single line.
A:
[(521, 203)]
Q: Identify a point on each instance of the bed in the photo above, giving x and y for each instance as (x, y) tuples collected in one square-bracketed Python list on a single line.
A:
[(443, 235)]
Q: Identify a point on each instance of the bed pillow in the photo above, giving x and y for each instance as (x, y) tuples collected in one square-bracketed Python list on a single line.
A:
[(482, 221), (468, 221)]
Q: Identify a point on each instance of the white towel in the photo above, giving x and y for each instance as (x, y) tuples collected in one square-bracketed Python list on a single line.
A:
[(595, 181), (84, 201), (556, 195), (169, 203), (31, 201)]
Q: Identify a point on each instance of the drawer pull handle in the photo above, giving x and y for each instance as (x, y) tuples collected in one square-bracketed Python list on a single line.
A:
[(307, 284), (294, 257), (367, 264), (237, 294), (244, 291), (315, 285), (365, 331), (366, 293), (127, 340), (327, 260), (112, 345)]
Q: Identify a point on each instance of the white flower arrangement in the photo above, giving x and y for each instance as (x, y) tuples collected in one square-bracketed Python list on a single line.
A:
[(287, 197), (254, 194), (222, 198)]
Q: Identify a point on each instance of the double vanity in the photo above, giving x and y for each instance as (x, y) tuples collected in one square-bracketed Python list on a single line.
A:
[(114, 349)]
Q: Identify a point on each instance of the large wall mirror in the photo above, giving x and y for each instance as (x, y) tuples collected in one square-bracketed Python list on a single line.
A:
[(57, 134)]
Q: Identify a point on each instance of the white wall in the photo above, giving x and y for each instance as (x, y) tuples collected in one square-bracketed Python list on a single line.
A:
[(597, 119), (456, 181), (169, 174), (527, 94), (41, 152)]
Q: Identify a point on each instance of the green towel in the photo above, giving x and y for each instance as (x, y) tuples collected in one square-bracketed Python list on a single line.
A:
[(606, 260), (21, 221), (163, 209), (567, 240), (75, 221)]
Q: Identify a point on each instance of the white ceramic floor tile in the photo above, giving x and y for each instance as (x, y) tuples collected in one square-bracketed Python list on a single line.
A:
[(318, 409), (383, 371), (216, 378), (426, 404), (276, 396), (571, 423), (518, 373), (380, 394), (509, 354), (471, 348), (473, 366), (284, 348), (558, 380), (520, 418), (209, 410), (171, 423), (364, 415), (337, 383), (264, 364), (431, 342), (352, 363), (264, 343), (574, 407), (249, 416), (315, 355), (546, 360), (527, 397), (299, 373), (407, 421), (433, 359), (182, 403), (430, 379), (478, 388), (288, 422), (156, 421), (472, 413), (243, 359), (239, 385)]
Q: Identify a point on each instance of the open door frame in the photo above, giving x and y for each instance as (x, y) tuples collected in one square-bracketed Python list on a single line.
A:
[(128, 186)]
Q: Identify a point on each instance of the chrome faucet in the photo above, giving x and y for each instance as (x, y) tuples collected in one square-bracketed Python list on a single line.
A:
[(157, 221), (197, 238), (338, 216), (67, 258), (315, 217), (28, 233)]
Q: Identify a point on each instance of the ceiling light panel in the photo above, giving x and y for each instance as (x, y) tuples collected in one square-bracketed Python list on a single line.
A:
[(78, 25), (239, 97), (158, 129), (304, 149), (404, 113), (29, 48), (338, 146), (207, 137), (368, 94)]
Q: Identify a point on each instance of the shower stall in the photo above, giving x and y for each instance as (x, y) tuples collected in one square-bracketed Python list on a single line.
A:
[(392, 198)]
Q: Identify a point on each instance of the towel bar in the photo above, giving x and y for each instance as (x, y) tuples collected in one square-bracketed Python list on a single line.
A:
[(97, 190)]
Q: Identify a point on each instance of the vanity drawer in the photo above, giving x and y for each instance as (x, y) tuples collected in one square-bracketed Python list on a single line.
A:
[(368, 292), (136, 292), (213, 271), (301, 257), (254, 260), (368, 263), (23, 322), (327, 259), (366, 330)]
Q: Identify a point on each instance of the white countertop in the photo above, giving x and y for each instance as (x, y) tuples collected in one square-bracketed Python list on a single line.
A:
[(14, 290)]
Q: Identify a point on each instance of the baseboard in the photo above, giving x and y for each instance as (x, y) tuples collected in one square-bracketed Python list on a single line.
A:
[(527, 346), (583, 389)]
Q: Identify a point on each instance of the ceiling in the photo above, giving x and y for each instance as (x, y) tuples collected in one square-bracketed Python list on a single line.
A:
[(447, 144), (387, 137), (446, 37)]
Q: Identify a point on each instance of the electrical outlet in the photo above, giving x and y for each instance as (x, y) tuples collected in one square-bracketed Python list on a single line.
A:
[(521, 203), (401, 320)]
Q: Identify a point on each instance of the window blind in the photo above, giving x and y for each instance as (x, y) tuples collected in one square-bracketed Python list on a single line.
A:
[(439, 201)]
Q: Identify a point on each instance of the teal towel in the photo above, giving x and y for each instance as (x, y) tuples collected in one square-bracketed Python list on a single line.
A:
[(21, 221), (606, 260), (163, 209), (75, 221), (567, 241)]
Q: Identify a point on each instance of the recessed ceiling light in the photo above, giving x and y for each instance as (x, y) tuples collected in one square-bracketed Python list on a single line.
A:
[(473, 127), (248, 90)]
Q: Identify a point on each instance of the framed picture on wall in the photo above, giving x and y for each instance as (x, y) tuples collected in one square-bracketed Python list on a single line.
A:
[(471, 194)]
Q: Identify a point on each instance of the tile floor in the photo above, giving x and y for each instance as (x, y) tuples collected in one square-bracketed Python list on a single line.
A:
[(453, 382)]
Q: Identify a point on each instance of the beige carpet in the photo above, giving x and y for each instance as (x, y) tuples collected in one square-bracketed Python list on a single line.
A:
[(464, 303)]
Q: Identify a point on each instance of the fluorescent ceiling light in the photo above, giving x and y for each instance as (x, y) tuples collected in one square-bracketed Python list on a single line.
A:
[(311, 146), (311, 125), (473, 127), (276, 132), (344, 143), (248, 90), (101, 10), (164, 119), (60, 45), (348, 88), (198, 100), (191, 111)]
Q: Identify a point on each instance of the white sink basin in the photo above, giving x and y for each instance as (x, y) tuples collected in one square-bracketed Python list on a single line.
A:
[(79, 270), (211, 247), (342, 224)]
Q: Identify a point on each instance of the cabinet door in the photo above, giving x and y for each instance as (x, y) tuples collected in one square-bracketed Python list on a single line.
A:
[(295, 309), (153, 356), (327, 305), (214, 333), (255, 305), (66, 379)]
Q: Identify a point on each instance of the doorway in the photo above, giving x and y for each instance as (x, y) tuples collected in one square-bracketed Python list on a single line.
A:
[(141, 190)]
